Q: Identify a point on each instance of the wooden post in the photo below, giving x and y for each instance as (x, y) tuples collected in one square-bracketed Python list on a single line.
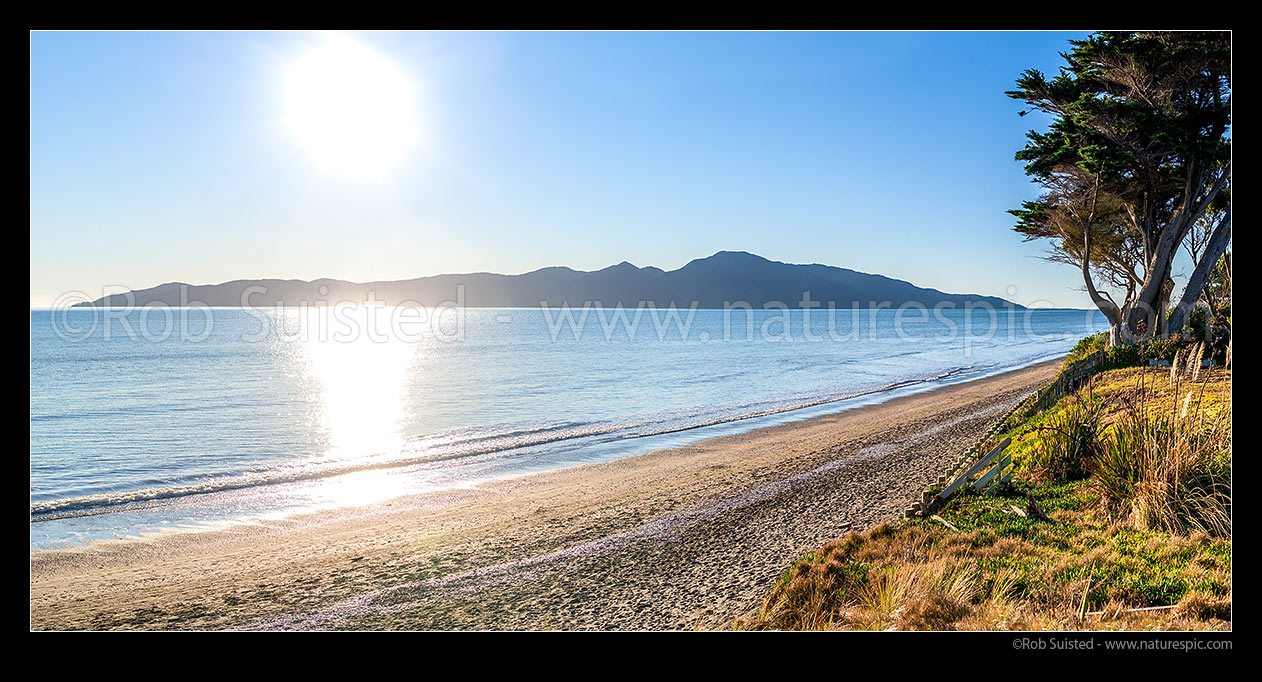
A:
[(974, 470)]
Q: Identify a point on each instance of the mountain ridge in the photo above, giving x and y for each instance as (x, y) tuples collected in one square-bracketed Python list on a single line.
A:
[(726, 277)]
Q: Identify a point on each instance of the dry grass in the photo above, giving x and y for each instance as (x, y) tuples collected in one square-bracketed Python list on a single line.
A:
[(1156, 441), (1105, 556), (1152, 390), (1003, 572), (1167, 474), (1165, 463)]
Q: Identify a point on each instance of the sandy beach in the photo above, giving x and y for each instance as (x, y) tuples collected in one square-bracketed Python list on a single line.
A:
[(684, 538)]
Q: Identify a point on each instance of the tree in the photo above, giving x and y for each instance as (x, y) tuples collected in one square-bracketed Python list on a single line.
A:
[(1217, 291), (1136, 152), (1089, 230), (1207, 245)]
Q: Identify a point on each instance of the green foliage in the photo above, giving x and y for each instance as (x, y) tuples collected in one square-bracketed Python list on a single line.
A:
[(1104, 125), (1158, 348), (1140, 128), (1162, 348), (1217, 291), (1138, 567), (1169, 473), (1220, 338), (1198, 323), (1127, 355), (1165, 348), (1067, 442), (1086, 346)]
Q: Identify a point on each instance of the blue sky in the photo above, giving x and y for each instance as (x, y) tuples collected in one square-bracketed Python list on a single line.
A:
[(166, 156)]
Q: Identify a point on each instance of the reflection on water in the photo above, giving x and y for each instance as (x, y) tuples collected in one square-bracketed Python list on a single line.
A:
[(364, 487), (282, 411), (361, 381)]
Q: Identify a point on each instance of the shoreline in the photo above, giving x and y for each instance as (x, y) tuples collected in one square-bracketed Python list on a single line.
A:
[(211, 494), (673, 538)]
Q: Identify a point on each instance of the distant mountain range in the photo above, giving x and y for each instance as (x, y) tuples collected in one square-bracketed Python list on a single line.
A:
[(725, 277)]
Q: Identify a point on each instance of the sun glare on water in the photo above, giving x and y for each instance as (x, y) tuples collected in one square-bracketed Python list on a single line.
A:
[(361, 383), (350, 108), (361, 386)]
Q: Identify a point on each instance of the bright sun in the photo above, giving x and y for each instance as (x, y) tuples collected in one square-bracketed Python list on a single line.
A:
[(350, 108)]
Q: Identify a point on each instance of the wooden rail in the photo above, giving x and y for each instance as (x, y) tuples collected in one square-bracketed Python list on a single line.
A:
[(1067, 382), (988, 460), (995, 455)]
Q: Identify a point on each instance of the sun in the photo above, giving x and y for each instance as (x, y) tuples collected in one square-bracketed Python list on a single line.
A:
[(350, 108)]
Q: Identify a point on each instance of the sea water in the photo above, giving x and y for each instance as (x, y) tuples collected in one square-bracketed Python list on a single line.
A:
[(178, 419)]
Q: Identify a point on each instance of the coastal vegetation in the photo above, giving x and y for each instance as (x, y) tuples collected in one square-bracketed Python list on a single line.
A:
[(1118, 517), (1136, 161)]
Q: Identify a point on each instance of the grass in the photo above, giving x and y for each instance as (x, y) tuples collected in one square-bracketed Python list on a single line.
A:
[(1068, 441), (1152, 531), (1002, 571), (1086, 346), (1169, 467), (1118, 394)]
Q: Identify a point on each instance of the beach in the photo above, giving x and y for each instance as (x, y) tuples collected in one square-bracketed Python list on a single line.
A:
[(683, 538)]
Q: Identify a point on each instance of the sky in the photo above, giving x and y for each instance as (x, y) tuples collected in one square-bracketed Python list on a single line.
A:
[(189, 156)]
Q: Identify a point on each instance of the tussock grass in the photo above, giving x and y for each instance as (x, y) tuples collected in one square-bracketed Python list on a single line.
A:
[(1068, 441), (1135, 472), (1169, 469), (1002, 571)]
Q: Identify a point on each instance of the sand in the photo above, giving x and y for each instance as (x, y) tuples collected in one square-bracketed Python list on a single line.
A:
[(684, 538)]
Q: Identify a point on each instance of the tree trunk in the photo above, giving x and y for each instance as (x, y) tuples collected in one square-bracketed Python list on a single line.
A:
[(1163, 305), (1141, 322), (1104, 303), (1143, 319), (1214, 250)]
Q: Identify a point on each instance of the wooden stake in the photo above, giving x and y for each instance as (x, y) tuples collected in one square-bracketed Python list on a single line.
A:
[(1033, 509)]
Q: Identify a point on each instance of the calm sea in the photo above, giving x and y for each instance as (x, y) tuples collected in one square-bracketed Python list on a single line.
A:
[(149, 421)]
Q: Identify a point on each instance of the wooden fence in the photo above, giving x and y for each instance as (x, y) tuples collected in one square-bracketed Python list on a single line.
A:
[(987, 461), (1067, 382)]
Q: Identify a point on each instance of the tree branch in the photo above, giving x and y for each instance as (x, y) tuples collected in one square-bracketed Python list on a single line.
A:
[(1106, 305), (1214, 250)]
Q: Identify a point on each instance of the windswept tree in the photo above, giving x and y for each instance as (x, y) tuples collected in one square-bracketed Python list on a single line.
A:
[(1207, 245), (1217, 291), (1137, 152), (1088, 230)]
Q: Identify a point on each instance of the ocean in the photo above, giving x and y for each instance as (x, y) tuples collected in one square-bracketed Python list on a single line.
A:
[(154, 420)]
